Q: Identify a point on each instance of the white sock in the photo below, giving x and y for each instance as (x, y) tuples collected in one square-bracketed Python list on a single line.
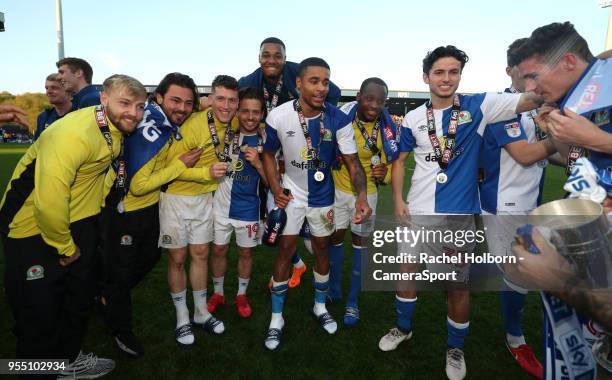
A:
[(319, 308), (218, 284), (299, 264), (200, 314), (180, 304), (243, 284), (277, 321), (515, 341)]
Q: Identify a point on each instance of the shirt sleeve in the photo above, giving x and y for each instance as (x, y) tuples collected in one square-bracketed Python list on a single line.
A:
[(272, 142), (148, 179), (507, 132), (191, 140), (345, 136), (496, 107), (407, 140), (56, 167)]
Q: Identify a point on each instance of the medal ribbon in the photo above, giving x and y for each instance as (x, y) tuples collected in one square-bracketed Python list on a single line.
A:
[(311, 151), (443, 158)]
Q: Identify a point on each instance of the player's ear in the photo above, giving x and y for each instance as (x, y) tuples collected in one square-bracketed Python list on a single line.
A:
[(298, 84), (104, 98), (426, 78)]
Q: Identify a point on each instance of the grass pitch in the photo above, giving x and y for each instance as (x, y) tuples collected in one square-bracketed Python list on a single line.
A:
[(307, 351)]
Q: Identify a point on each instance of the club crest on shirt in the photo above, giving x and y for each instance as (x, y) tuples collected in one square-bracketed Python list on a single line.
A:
[(464, 117), (166, 239), (513, 129), (326, 135), (601, 118)]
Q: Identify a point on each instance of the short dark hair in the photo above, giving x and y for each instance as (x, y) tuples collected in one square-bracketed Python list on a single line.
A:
[(77, 64), (180, 80), (272, 40), (511, 53), (550, 42), (251, 93), (226, 81), (312, 61), (443, 52), (373, 80)]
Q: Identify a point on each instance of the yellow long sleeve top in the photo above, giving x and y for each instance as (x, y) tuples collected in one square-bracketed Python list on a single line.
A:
[(59, 180)]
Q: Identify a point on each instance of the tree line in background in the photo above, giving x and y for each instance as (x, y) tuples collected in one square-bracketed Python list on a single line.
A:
[(32, 103)]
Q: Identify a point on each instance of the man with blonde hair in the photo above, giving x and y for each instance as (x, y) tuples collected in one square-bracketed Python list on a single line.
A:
[(48, 226)]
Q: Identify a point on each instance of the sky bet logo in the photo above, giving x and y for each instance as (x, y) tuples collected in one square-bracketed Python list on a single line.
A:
[(589, 96)]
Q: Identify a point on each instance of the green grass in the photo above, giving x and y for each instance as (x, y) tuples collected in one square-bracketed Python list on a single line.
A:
[(307, 351)]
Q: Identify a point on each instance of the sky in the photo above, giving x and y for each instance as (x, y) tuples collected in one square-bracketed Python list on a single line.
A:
[(359, 39)]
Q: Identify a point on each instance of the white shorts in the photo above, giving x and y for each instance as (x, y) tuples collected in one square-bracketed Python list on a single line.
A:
[(320, 219), (500, 230), (246, 232), (438, 248), (185, 219), (344, 209)]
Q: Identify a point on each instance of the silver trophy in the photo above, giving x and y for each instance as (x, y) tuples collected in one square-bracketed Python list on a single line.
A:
[(583, 235)]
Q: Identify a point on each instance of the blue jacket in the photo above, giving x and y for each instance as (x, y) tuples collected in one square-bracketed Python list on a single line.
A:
[(255, 79), (45, 119), (87, 97)]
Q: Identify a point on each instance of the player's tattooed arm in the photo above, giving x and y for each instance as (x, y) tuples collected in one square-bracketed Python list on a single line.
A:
[(595, 303), (358, 177)]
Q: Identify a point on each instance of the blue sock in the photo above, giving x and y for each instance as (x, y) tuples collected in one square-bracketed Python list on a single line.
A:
[(355, 276), (336, 254), (295, 258), (512, 303), (404, 308), (321, 289), (456, 333), (278, 297)]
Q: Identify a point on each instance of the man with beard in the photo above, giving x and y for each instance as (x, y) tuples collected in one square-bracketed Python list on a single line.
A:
[(445, 134), (76, 75), (48, 226), (375, 134), (309, 131), (59, 99), (186, 206), (131, 218)]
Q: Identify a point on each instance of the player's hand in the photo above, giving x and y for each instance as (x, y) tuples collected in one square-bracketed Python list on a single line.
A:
[(67, 260), (205, 102), (190, 158), (362, 210), (572, 129), (379, 172), (280, 199), (547, 270), (252, 156), (217, 170), (13, 114), (607, 205), (402, 215), (542, 116)]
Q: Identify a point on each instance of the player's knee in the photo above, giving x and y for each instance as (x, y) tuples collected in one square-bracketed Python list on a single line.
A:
[(337, 237), (199, 253)]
